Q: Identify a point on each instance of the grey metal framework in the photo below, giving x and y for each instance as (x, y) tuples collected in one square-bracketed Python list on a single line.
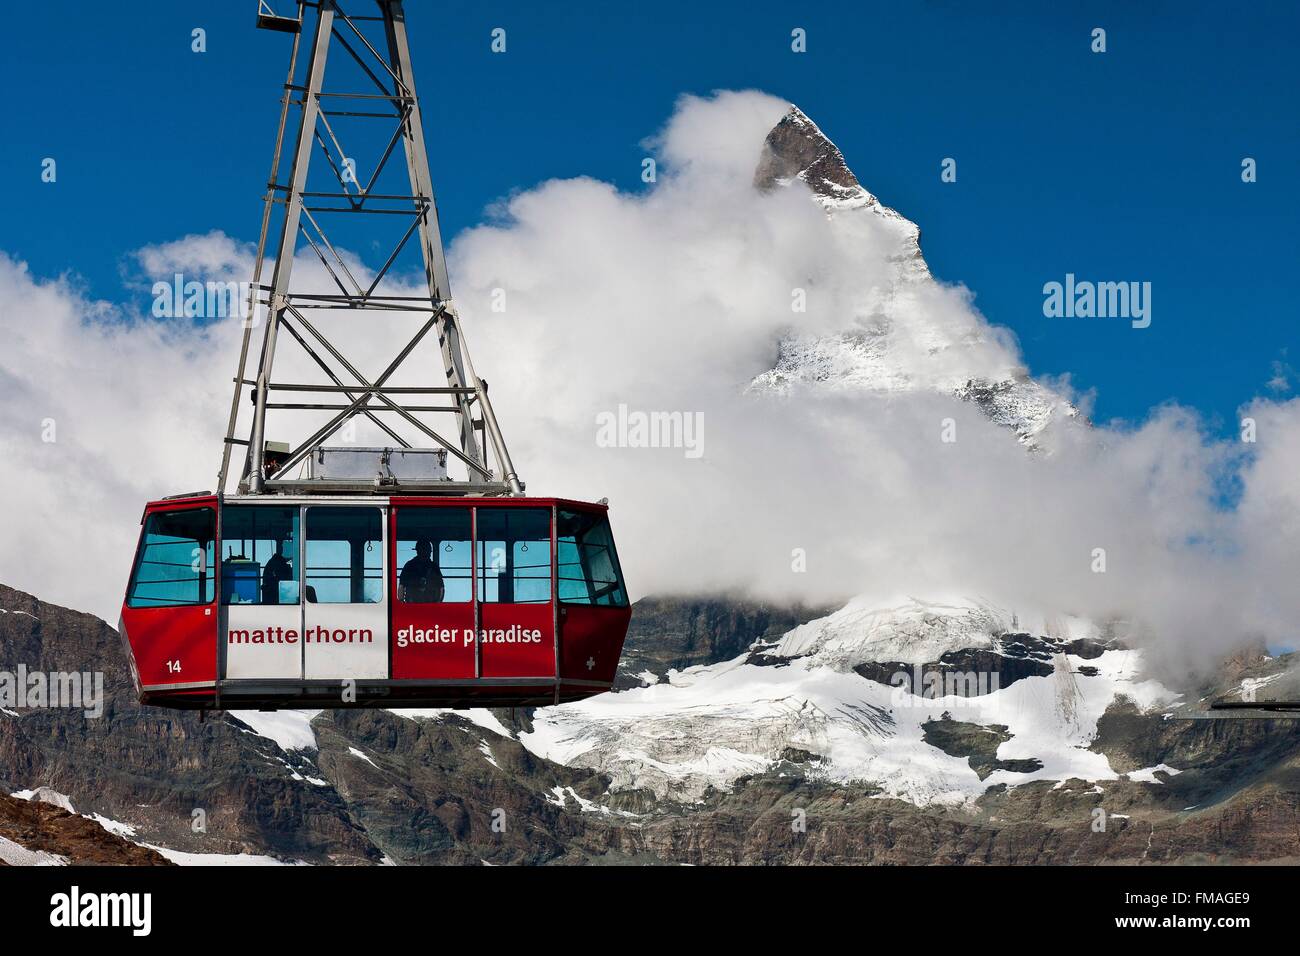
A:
[(340, 387)]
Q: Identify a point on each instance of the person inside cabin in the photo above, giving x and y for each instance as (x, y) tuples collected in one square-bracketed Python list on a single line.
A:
[(278, 569), (420, 581)]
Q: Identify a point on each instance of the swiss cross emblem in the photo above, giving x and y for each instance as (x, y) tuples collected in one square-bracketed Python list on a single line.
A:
[(591, 662)]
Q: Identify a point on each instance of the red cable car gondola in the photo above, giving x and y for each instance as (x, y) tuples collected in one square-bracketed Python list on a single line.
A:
[(375, 578), (373, 601)]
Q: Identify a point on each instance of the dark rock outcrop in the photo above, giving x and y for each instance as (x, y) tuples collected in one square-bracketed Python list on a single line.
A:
[(978, 743), (41, 827), (1014, 657), (153, 768), (796, 148), (684, 632)]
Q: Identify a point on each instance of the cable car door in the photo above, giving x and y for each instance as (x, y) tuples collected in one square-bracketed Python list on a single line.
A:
[(513, 570), (432, 583), (260, 594), (345, 596)]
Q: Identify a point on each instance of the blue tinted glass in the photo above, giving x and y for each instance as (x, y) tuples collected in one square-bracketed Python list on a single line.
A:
[(259, 555), (344, 556), (514, 555), (175, 564), (433, 555), (572, 584), (589, 571)]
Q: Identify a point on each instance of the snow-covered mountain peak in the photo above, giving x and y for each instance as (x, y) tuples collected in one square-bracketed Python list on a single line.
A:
[(903, 331), (852, 693), (908, 630), (905, 629), (796, 150)]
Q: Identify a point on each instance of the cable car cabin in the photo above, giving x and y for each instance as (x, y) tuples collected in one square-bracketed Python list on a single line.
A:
[(272, 601)]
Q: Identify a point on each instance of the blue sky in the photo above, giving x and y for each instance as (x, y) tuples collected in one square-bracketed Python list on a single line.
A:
[(1118, 166)]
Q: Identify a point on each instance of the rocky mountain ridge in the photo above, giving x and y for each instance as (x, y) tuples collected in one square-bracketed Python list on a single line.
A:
[(423, 787)]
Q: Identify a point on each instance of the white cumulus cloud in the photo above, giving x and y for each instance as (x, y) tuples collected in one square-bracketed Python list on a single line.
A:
[(674, 299)]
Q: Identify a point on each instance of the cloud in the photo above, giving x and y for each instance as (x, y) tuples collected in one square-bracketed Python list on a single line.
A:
[(674, 299), (101, 412), (1282, 374)]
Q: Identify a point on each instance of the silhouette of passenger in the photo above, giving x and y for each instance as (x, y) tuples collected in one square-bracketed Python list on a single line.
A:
[(278, 569), (420, 581)]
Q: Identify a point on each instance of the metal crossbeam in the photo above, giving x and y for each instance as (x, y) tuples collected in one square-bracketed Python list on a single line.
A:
[(383, 60)]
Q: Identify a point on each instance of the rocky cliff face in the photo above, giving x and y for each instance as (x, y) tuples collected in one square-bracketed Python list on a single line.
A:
[(36, 832), (152, 769), (436, 787), (677, 633), (796, 149)]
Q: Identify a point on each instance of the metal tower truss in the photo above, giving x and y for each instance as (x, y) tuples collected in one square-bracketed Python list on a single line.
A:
[(345, 300)]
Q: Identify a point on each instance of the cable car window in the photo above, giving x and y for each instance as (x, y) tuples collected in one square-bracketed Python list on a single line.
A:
[(514, 555), (345, 556), (259, 563), (175, 564), (589, 572), (433, 553)]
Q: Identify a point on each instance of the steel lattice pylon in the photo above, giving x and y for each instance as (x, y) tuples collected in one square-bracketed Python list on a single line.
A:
[(303, 210)]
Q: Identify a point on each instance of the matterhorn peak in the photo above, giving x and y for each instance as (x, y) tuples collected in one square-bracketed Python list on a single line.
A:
[(796, 148), (889, 343)]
